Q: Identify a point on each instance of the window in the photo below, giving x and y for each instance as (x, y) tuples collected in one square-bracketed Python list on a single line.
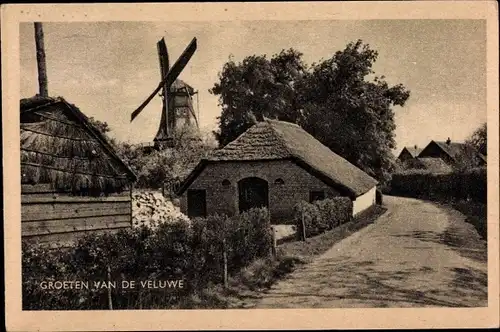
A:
[(279, 181), (316, 196), (226, 183)]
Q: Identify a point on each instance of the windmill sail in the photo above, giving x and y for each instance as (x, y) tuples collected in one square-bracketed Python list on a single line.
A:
[(172, 75), (166, 118)]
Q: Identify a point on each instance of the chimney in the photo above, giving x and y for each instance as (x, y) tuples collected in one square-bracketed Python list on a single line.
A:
[(40, 59), (448, 141)]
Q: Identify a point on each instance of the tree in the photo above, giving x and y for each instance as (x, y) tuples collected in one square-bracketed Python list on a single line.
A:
[(255, 88), (160, 166), (333, 100), (104, 129), (478, 139), (170, 165)]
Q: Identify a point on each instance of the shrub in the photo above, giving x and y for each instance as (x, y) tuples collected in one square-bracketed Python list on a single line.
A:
[(335, 211), (322, 215), (309, 214), (173, 251), (248, 237)]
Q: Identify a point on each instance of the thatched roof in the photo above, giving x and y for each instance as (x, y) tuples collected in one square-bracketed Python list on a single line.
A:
[(61, 147), (279, 140)]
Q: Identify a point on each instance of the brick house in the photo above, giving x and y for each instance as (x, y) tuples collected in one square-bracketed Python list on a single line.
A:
[(273, 164)]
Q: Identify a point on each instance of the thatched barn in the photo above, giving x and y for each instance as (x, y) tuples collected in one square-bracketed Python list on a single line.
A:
[(72, 181), (273, 164)]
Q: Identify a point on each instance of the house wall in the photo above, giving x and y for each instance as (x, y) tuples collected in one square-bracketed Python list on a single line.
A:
[(364, 201), (60, 219), (282, 197)]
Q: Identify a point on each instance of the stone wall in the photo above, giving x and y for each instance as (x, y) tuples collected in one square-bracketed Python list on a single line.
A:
[(150, 208)]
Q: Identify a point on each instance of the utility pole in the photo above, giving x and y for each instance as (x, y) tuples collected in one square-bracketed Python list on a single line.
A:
[(40, 59)]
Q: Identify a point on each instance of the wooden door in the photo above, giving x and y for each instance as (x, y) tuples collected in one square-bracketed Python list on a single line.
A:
[(196, 203), (253, 193)]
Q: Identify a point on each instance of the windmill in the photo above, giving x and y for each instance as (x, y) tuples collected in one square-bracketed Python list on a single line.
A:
[(177, 107)]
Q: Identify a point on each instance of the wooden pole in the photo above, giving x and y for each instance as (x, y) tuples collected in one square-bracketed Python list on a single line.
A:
[(303, 224), (274, 244), (110, 300), (224, 255), (41, 62)]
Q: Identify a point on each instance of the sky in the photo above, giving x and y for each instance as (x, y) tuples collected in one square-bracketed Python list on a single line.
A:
[(108, 69)]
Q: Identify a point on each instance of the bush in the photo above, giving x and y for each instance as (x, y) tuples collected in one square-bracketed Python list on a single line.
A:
[(335, 211), (310, 215), (458, 185), (323, 215), (192, 252), (248, 237)]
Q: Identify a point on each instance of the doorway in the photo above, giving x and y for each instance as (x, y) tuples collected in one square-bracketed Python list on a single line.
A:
[(253, 193), (196, 203)]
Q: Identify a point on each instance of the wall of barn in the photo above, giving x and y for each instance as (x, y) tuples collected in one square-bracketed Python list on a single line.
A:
[(60, 219), (364, 201), (282, 197)]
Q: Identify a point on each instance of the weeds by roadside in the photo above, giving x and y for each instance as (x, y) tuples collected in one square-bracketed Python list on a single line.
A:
[(476, 214), (319, 244)]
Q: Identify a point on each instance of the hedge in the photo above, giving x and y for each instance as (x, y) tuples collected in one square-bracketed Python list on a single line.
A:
[(322, 215), (457, 185), (192, 252)]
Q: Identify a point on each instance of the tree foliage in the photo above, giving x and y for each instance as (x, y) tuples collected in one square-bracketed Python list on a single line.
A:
[(334, 100), (478, 139), (255, 88), (155, 168), (104, 129)]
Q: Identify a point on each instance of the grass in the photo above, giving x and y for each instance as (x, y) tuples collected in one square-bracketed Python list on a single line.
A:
[(476, 214), (319, 244)]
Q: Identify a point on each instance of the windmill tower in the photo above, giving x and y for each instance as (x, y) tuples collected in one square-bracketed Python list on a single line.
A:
[(178, 116)]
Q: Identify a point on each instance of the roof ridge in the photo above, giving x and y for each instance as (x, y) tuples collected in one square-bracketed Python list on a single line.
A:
[(282, 122)]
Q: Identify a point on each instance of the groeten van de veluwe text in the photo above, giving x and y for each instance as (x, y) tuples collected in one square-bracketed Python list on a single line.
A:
[(132, 284)]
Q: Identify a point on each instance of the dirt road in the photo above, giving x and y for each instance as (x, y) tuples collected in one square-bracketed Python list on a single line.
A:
[(417, 254)]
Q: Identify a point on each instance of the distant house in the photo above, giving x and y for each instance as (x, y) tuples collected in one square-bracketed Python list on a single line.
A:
[(72, 181), (453, 153), (273, 164), (409, 153)]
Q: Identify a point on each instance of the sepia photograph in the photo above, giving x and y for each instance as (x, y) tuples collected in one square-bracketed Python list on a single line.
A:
[(259, 163)]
